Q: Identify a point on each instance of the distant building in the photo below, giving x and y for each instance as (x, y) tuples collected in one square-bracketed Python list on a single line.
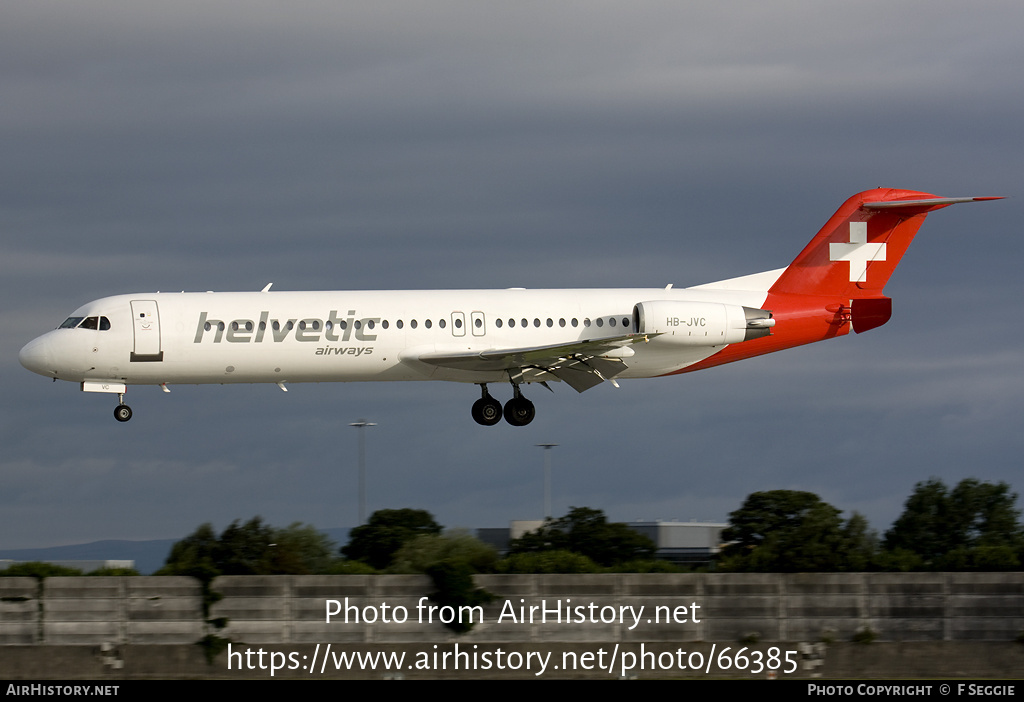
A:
[(683, 543)]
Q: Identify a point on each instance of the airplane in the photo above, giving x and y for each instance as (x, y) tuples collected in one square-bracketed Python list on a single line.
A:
[(579, 337)]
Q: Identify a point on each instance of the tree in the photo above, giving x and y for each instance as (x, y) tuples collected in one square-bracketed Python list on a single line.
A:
[(972, 527), (252, 548), (38, 569), (554, 561), (245, 549), (195, 555), (922, 527), (587, 532), (792, 531), (302, 550), (419, 553), (376, 542), (450, 560)]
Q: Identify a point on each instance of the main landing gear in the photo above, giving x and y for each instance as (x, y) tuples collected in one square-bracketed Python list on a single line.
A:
[(518, 411), (486, 410), (122, 412)]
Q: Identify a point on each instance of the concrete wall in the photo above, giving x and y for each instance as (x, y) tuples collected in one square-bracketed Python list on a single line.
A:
[(95, 610), (898, 607), (929, 625)]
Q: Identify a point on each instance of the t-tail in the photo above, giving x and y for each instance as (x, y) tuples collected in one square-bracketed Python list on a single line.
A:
[(854, 254), (836, 283)]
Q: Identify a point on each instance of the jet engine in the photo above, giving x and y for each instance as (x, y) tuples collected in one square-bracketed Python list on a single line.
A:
[(701, 323)]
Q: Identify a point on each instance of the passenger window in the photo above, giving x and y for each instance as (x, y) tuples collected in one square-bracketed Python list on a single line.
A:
[(427, 323), (441, 323), (498, 322), (600, 322)]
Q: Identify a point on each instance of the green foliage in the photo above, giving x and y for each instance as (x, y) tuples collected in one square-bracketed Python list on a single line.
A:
[(450, 559), (195, 555), (418, 554), (245, 549), (113, 571), (789, 531), (972, 527), (646, 566), (300, 549), (38, 569), (554, 561), (864, 635), (252, 548), (860, 545), (899, 560), (454, 582), (212, 646), (587, 532), (376, 542), (345, 567)]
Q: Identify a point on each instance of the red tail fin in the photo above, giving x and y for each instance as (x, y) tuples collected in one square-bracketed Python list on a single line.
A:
[(857, 250), (836, 282)]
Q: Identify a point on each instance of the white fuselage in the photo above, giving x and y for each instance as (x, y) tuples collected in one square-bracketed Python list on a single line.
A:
[(295, 337)]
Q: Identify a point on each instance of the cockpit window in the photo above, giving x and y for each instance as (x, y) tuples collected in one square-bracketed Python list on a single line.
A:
[(100, 323)]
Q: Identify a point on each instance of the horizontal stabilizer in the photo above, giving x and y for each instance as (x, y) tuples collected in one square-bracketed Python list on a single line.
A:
[(930, 203)]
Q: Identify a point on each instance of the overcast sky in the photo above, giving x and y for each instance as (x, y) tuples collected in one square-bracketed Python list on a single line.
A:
[(382, 145)]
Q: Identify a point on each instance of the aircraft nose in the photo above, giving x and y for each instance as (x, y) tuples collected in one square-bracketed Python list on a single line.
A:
[(37, 356)]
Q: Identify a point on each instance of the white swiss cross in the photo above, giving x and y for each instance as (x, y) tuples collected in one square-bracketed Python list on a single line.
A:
[(858, 252)]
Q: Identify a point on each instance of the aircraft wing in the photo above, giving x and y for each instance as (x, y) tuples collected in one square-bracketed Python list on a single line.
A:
[(581, 364)]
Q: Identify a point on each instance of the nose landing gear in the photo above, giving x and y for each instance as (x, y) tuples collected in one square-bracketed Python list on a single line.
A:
[(122, 412)]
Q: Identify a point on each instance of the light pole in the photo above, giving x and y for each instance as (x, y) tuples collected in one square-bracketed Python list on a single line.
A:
[(361, 426), (547, 478)]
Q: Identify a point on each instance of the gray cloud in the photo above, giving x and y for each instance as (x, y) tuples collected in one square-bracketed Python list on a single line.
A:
[(226, 145)]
